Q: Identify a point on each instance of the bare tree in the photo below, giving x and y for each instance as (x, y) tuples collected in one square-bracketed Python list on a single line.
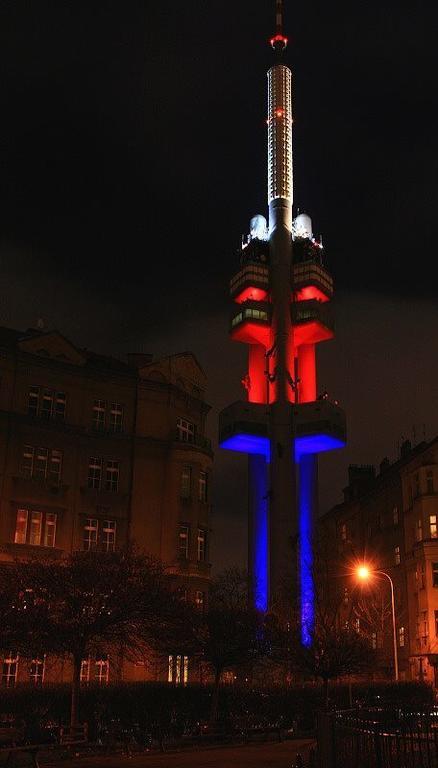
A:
[(87, 603)]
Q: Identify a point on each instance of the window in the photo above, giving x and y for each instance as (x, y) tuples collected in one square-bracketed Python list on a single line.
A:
[(401, 637), (429, 481), (202, 548), (21, 526), (203, 487), (55, 467), (91, 529), (36, 519), (33, 401), (346, 595), (85, 670), (184, 541), (50, 529), (185, 431), (41, 464), (116, 417), (46, 403), (199, 600), (374, 640), (395, 519), (396, 555), (435, 574), (356, 624), (99, 410), (27, 461), (112, 476), (101, 673), (343, 531), (109, 535), (35, 528), (94, 473), (37, 670), (433, 527), (419, 530), (186, 482), (419, 576), (10, 670), (178, 670)]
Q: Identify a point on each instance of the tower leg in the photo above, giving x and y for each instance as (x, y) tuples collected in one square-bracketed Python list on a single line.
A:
[(307, 373), (258, 531), (307, 508)]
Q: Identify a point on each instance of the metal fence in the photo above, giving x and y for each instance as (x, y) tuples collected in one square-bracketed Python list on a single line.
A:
[(379, 738)]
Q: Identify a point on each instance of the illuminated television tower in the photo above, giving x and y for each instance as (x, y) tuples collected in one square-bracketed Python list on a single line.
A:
[(282, 292)]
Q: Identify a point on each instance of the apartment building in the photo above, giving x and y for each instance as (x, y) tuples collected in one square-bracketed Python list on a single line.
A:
[(96, 452), (388, 519)]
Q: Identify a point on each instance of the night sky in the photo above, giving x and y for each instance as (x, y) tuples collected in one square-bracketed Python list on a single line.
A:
[(132, 155)]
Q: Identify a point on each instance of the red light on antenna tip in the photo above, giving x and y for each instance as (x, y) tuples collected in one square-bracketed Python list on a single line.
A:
[(278, 39)]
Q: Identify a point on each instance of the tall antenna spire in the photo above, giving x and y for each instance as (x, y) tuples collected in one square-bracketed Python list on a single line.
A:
[(278, 41)]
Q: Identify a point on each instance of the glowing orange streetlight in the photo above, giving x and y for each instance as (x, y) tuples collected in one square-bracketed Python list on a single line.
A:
[(365, 573)]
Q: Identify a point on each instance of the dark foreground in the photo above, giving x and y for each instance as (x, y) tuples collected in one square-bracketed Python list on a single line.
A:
[(253, 756)]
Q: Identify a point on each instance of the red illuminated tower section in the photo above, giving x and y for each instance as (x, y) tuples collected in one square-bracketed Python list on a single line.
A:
[(282, 294)]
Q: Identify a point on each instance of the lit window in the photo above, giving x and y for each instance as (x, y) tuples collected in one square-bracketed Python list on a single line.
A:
[(35, 528), (203, 487), (50, 529), (202, 541), (429, 481), (185, 431), (178, 670), (94, 473), (346, 596), (99, 410), (199, 600), (433, 527), (91, 530), (116, 417), (186, 482), (374, 640), (343, 530), (184, 541), (419, 530), (356, 624), (395, 518), (10, 670), (101, 674), (396, 555), (37, 670), (109, 535), (21, 526), (401, 637), (435, 574), (112, 476)]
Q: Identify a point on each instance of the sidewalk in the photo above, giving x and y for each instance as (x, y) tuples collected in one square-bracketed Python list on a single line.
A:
[(245, 756)]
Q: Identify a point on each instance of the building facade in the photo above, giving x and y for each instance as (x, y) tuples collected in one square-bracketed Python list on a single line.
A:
[(389, 520), (96, 452)]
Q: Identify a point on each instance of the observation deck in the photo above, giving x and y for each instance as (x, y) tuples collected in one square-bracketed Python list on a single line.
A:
[(315, 427)]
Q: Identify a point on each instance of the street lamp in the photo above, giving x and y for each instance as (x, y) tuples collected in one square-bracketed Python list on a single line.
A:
[(364, 573)]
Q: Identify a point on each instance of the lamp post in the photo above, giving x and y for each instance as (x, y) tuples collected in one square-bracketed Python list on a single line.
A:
[(364, 573)]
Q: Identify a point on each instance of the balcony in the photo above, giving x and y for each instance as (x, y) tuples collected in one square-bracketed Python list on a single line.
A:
[(308, 273), (315, 427), (319, 426), (252, 278), (312, 311), (196, 441)]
